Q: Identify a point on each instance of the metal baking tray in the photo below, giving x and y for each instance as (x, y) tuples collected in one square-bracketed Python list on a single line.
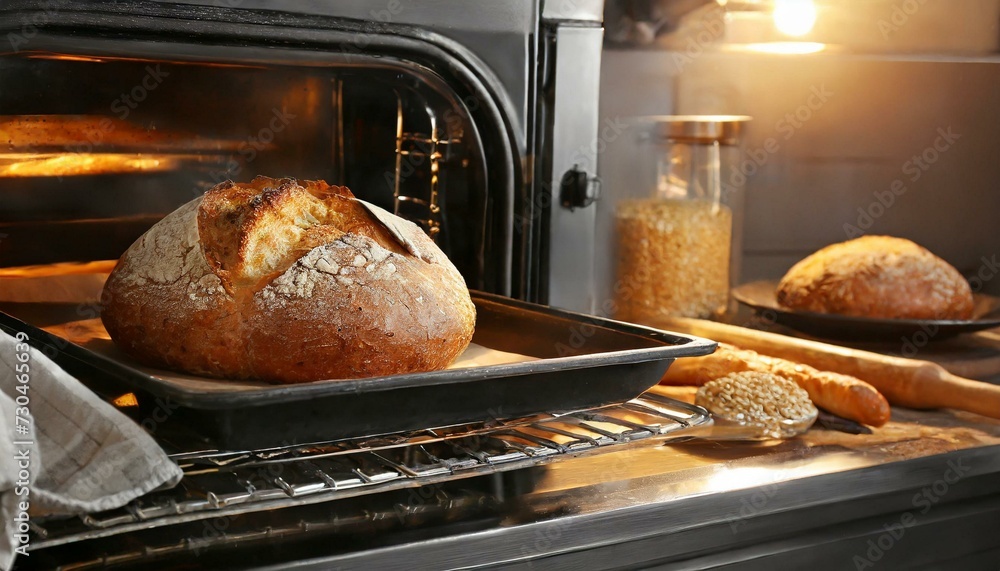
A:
[(579, 362)]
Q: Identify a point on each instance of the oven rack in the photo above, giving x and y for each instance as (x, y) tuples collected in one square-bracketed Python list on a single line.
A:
[(412, 149), (220, 483)]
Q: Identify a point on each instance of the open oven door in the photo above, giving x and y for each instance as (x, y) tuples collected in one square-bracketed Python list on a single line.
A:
[(114, 114)]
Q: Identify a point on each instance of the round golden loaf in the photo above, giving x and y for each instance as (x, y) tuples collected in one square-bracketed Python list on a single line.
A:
[(287, 281), (877, 276)]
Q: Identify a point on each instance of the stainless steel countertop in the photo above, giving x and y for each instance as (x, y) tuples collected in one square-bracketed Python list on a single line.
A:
[(815, 500)]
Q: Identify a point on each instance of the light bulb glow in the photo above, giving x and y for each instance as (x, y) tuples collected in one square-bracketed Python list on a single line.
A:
[(794, 17)]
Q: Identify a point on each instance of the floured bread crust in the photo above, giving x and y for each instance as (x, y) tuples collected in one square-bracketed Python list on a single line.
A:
[(287, 281), (877, 276)]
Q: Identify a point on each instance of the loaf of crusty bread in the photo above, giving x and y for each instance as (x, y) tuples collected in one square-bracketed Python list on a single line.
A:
[(289, 282), (877, 276)]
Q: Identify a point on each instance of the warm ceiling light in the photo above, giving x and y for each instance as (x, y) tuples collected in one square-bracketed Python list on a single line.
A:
[(794, 17)]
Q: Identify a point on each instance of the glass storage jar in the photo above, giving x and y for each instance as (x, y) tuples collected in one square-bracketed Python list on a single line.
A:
[(679, 249)]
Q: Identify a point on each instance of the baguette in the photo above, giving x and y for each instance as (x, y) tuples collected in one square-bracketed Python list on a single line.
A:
[(842, 395)]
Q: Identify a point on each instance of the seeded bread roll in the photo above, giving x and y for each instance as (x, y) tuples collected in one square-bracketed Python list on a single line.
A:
[(287, 282), (877, 276)]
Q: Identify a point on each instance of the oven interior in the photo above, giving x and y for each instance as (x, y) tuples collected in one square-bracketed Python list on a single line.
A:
[(96, 149)]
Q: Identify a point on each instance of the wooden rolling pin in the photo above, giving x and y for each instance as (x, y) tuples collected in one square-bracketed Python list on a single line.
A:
[(905, 382)]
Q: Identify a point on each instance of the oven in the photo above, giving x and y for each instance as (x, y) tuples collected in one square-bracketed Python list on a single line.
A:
[(476, 121), (479, 121)]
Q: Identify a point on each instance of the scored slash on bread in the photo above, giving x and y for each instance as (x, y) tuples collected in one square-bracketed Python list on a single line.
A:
[(258, 230), (287, 281)]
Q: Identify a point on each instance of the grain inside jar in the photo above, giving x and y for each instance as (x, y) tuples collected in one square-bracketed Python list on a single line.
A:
[(673, 259)]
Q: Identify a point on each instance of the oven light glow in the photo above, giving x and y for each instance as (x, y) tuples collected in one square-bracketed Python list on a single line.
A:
[(126, 400), (103, 59), (67, 57), (13, 165), (786, 48), (794, 17)]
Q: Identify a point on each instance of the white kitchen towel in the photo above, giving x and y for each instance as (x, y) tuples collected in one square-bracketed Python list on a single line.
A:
[(79, 454)]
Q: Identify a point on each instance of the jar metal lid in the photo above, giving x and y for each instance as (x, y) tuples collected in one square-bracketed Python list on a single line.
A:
[(699, 129)]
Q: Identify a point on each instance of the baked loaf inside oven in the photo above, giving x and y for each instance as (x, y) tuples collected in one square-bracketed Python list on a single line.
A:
[(287, 281), (877, 276)]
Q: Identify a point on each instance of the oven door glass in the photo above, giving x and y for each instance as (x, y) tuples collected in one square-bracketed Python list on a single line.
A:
[(97, 145)]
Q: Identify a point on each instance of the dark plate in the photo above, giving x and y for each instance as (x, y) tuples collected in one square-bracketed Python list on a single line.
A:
[(581, 362), (762, 298)]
